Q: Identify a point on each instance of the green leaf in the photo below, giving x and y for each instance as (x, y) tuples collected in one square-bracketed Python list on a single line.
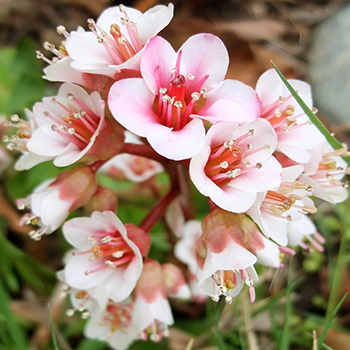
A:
[(11, 325), (329, 321), (53, 335), (331, 139)]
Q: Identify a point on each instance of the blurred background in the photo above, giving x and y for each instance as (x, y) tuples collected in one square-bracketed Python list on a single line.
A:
[(308, 40)]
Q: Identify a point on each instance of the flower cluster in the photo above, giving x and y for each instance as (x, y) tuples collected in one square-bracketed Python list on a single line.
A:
[(130, 107)]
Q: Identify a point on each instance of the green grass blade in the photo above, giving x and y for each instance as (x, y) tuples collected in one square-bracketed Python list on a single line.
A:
[(14, 329), (329, 321), (53, 335), (331, 139)]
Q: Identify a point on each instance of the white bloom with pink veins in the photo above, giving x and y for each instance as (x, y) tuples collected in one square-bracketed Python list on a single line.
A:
[(152, 313), (296, 134), (236, 163), (59, 67), (109, 254), (53, 200), (69, 126), (228, 249), (134, 168), (325, 172), (177, 90), (274, 210), (116, 41)]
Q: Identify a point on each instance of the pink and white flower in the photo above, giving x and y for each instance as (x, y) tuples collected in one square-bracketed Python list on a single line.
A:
[(59, 67), (236, 163), (274, 210), (112, 324), (117, 40), (303, 232), (52, 201), (227, 252), (177, 90), (296, 134), (325, 172), (18, 142), (186, 248), (152, 313), (134, 168), (109, 254), (71, 126)]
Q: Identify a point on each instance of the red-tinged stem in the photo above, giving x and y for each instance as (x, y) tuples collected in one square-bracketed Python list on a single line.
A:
[(158, 210), (97, 165), (142, 151)]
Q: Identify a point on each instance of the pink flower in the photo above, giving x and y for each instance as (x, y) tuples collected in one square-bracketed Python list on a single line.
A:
[(117, 39), (175, 283), (236, 163), (325, 172), (71, 126), (53, 200), (230, 246), (177, 90), (108, 254), (296, 134), (275, 210), (112, 324), (186, 248), (18, 142), (152, 313), (134, 168), (302, 232)]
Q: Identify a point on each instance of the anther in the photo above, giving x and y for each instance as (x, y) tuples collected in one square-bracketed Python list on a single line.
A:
[(249, 282), (215, 298), (190, 76), (15, 118), (173, 70), (118, 254), (228, 299), (222, 289), (85, 315), (258, 165), (106, 239), (234, 173), (267, 147), (70, 96), (122, 8), (178, 104), (70, 312), (278, 113), (196, 96), (251, 132), (224, 165), (163, 90)]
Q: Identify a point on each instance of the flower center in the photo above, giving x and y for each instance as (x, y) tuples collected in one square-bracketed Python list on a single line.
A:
[(118, 317), (23, 133), (328, 174), (118, 46), (111, 248), (281, 116), (227, 280), (78, 123), (227, 161), (175, 104)]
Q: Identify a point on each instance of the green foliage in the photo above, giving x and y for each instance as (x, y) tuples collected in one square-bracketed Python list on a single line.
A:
[(21, 82)]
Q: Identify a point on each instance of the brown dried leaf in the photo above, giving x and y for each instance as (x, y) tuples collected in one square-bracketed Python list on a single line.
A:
[(255, 30)]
